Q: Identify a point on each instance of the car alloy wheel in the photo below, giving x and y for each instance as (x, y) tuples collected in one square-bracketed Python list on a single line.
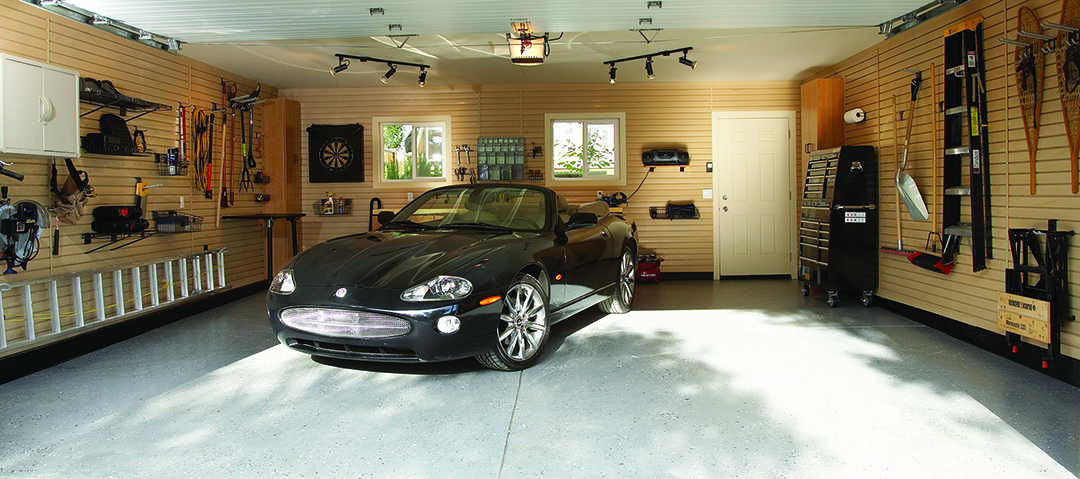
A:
[(623, 296), (523, 329)]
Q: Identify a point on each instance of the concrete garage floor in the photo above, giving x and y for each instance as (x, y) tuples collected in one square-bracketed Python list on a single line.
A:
[(702, 380)]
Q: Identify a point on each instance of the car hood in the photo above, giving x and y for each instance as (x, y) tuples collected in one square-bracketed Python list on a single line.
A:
[(397, 260)]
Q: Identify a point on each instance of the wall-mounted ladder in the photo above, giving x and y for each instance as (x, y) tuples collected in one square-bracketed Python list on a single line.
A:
[(40, 309), (966, 176)]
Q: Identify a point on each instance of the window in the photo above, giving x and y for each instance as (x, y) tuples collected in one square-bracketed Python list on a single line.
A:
[(586, 148), (412, 151)]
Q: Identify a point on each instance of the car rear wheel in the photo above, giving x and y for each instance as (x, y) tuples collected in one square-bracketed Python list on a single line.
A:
[(523, 330), (619, 302)]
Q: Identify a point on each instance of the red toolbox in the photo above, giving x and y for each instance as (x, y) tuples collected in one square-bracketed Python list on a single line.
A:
[(648, 268)]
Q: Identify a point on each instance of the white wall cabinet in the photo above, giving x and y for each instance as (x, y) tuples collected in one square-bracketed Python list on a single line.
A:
[(39, 109)]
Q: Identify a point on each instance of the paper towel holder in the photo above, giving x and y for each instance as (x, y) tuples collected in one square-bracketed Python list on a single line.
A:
[(854, 116)]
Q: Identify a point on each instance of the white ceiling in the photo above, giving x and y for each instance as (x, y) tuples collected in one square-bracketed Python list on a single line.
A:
[(291, 43)]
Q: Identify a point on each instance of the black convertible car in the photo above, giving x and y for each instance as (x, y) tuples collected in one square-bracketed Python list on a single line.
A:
[(468, 270)]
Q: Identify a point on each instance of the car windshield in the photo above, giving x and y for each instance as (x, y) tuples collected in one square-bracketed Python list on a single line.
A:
[(492, 208)]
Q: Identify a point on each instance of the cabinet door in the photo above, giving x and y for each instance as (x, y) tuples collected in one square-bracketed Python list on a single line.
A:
[(22, 107), (61, 133)]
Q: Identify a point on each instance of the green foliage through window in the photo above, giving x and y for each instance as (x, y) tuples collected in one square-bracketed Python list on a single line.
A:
[(412, 151)]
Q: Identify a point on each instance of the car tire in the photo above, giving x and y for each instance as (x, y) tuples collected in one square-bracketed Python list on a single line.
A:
[(623, 296), (523, 327)]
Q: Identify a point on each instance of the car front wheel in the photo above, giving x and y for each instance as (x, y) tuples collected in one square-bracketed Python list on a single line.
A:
[(619, 302), (523, 327)]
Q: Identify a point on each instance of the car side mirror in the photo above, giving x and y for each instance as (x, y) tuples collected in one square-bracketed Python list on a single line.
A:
[(582, 220), (385, 217)]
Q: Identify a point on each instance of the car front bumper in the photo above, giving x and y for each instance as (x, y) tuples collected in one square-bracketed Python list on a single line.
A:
[(422, 343)]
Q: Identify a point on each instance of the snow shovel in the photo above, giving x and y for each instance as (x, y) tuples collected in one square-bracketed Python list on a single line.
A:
[(905, 184)]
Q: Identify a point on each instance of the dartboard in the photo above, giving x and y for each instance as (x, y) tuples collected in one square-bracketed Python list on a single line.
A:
[(336, 154)]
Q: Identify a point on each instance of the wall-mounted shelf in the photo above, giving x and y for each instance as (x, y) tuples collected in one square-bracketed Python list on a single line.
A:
[(115, 238), (674, 212), (124, 103)]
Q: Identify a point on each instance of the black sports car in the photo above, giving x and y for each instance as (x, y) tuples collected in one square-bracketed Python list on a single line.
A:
[(469, 270)]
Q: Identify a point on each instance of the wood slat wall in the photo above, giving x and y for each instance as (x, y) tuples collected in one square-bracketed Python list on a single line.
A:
[(873, 81), (658, 115), (144, 72)]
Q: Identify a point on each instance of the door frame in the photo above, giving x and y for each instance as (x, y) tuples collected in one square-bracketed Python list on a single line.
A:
[(793, 158)]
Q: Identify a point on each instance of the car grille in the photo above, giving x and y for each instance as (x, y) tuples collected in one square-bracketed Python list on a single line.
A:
[(343, 323), (359, 352)]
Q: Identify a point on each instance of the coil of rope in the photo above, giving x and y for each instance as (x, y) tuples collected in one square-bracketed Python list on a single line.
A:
[(202, 124)]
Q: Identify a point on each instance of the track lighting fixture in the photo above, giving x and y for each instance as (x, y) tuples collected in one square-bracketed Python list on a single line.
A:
[(343, 63), (389, 73), (649, 73), (686, 61)]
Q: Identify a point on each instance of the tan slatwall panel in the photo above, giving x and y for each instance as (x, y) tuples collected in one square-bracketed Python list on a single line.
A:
[(139, 71), (657, 116), (873, 78)]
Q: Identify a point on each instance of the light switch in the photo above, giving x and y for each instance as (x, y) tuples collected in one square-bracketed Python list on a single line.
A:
[(706, 193)]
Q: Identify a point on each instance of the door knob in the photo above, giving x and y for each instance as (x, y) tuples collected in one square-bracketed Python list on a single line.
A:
[(725, 209), (725, 197)]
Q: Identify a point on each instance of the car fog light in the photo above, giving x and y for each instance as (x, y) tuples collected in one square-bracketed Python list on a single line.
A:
[(448, 324)]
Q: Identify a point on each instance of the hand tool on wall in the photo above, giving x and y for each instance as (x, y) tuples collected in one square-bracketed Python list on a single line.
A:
[(245, 174), (232, 147), (905, 184), (251, 139), (933, 238), (224, 201)]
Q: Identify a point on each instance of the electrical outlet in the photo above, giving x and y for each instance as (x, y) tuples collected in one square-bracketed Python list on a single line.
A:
[(181, 202), (409, 196), (599, 194)]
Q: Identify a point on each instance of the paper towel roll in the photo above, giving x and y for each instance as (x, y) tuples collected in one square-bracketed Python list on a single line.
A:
[(854, 116)]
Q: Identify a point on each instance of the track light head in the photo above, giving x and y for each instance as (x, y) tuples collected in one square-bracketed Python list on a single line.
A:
[(648, 69), (389, 73), (342, 65), (611, 74), (422, 81), (688, 62)]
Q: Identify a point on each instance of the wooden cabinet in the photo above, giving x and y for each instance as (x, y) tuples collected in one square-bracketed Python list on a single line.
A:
[(823, 114), (39, 109), (283, 163)]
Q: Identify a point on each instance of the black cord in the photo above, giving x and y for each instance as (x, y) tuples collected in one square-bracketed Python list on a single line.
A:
[(639, 185)]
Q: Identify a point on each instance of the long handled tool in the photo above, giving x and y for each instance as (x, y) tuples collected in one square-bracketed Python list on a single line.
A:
[(905, 184), (224, 202), (933, 238)]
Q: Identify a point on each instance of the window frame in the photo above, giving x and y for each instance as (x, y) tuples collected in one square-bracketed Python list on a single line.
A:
[(619, 179), (414, 183)]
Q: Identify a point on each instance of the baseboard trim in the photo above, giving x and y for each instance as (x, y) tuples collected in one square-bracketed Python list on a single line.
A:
[(33, 360), (1064, 368)]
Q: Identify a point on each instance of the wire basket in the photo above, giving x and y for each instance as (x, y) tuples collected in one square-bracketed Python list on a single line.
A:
[(165, 167), (176, 222), (342, 206)]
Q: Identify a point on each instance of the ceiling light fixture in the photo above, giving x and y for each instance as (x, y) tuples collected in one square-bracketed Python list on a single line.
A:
[(688, 62), (389, 73), (649, 61), (526, 49), (343, 63), (341, 66)]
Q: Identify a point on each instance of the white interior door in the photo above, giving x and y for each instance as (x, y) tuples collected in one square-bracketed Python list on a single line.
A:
[(752, 185)]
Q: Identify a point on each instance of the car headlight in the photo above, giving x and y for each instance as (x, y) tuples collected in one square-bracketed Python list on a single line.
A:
[(283, 283), (440, 288)]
